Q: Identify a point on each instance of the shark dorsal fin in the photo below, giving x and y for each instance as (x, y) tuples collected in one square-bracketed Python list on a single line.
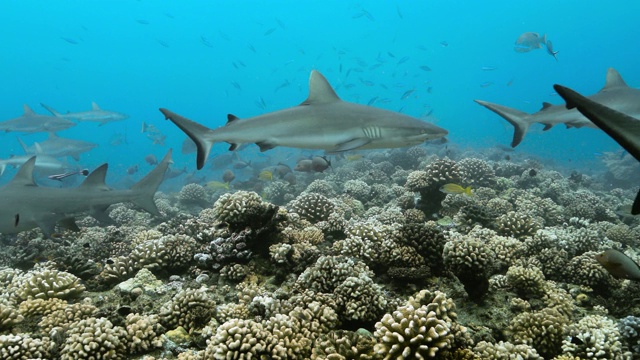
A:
[(96, 179), (94, 106), (320, 91), (27, 110), (546, 105), (53, 135), (24, 177), (231, 118), (614, 80)]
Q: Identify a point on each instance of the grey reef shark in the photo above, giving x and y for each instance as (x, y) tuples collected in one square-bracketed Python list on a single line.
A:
[(622, 127), (615, 94), (30, 122), (323, 121), (25, 205), (96, 114)]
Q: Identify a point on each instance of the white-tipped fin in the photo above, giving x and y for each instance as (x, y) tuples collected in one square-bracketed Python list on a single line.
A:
[(94, 106)]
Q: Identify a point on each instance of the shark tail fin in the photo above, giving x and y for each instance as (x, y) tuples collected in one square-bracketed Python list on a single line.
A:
[(201, 135), (3, 167), (146, 188), (515, 117), (51, 110)]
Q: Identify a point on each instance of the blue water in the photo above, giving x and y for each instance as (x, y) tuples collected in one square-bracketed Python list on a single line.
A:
[(137, 56)]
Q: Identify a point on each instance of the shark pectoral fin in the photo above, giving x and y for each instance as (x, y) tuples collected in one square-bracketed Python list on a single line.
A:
[(547, 127), (264, 146), (100, 214), (352, 144), (69, 223), (234, 146), (75, 157), (47, 226)]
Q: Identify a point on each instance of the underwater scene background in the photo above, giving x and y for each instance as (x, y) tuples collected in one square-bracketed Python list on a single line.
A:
[(464, 249)]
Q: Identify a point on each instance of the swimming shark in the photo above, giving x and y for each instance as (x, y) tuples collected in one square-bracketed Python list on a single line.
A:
[(322, 121), (615, 94), (58, 147), (96, 114), (623, 128), (30, 122), (44, 164), (26, 205)]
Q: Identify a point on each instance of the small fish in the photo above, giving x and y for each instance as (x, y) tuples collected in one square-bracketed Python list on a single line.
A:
[(372, 101), (488, 68), (151, 159), (510, 82), (228, 176), (507, 157), (205, 41), (281, 24), (407, 94), (354, 157), (403, 60), (304, 165), (163, 43), (71, 41), (282, 170), (425, 68), (236, 85), (270, 31), (533, 172), (142, 21), (149, 128), (444, 43), (290, 178), (550, 51), (282, 86), (59, 177), (261, 103), (619, 265), (486, 84), (252, 48), (529, 41), (265, 175), (157, 138), (241, 164), (117, 139), (320, 163), (216, 185), (455, 189), (367, 82), (132, 169)]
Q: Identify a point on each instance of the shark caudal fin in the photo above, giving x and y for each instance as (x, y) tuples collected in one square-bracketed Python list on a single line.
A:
[(146, 188), (515, 117), (622, 128), (51, 110), (196, 132)]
